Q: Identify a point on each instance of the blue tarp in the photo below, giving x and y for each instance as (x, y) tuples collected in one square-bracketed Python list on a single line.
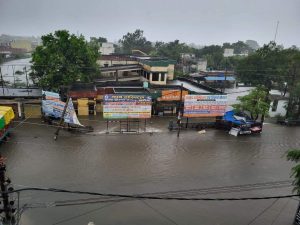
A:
[(219, 78), (229, 117)]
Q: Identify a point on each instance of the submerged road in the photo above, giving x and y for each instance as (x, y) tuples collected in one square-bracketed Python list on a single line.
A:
[(213, 164)]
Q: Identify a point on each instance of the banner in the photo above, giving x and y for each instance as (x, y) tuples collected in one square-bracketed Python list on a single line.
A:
[(172, 95), (204, 105), (54, 107), (127, 106)]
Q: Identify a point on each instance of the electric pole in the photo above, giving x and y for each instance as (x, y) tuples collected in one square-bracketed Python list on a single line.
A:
[(8, 209), (276, 31)]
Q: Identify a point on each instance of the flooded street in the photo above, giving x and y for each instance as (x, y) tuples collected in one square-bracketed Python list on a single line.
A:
[(145, 163)]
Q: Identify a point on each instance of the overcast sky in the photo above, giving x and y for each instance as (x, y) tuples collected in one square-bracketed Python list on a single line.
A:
[(193, 21)]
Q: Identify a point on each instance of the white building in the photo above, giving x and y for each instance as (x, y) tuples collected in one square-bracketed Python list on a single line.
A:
[(202, 65), (107, 48), (228, 52), (278, 103)]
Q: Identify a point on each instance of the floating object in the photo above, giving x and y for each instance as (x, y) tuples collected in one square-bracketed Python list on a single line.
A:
[(202, 132), (234, 131)]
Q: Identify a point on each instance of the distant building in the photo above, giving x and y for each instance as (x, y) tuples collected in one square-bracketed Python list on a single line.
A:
[(244, 53), (187, 56), (201, 65), (21, 44), (107, 48), (228, 52)]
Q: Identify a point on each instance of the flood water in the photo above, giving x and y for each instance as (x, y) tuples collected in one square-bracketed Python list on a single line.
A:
[(11, 69), (151, 163)]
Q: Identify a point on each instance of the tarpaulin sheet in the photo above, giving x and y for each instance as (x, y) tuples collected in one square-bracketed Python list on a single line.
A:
[(2, 122), (8, 114)]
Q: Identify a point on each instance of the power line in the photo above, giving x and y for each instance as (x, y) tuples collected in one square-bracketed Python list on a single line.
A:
[(282, 208), (83, 214), (134, 196), (159, 213), (263, 211), (189, 192)]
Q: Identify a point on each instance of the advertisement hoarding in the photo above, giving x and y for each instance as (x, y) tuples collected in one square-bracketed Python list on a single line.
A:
[(54, 107), (127, 106), (172, 95), (204, 105)]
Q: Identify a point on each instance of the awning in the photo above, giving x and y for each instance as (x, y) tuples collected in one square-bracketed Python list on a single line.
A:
[(215, 78)]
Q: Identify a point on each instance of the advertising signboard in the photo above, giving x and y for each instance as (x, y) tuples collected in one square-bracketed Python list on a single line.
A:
[(172, 95), (204, 105), (127, 106), (54, 107)]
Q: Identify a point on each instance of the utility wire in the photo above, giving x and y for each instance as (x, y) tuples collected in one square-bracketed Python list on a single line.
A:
[(189, 192), (262, 212), (282, 208), (84, 214), (159, 212), (134, 196)]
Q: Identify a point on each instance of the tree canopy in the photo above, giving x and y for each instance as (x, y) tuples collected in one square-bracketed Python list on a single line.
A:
[(172, 49), (62, 59), (96, 42), (135, 41), (267, 66), (255, 103)]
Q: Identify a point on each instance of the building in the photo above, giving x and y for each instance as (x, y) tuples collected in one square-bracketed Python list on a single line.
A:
[(107, 48), (152, 69), (278, 103), (21, 44), (201, 65), (228, 52), (157, 71)]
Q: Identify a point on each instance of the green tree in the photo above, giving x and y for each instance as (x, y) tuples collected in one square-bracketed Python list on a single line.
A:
[(213, 54), (255, 103), (96, 42), (293, 106), (135, 41), (171, 49), (294, 155), (266, 66), (63, 59)]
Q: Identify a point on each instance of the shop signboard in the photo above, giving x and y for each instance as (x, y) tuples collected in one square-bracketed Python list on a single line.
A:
[(172, 95), (204, 105), (118, 106), (52, 106)]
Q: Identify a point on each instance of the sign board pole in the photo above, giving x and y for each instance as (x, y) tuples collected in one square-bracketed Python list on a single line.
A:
[(61, 119), (107, 126), (180, 111)]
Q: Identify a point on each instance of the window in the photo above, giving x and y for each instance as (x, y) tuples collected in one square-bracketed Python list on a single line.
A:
[(155, 76), (274, 106)]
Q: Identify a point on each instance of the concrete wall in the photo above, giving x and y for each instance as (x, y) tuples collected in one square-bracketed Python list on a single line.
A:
[(171, 69), (114, 62)]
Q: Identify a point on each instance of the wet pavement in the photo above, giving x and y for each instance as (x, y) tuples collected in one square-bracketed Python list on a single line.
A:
[(213, 164)]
